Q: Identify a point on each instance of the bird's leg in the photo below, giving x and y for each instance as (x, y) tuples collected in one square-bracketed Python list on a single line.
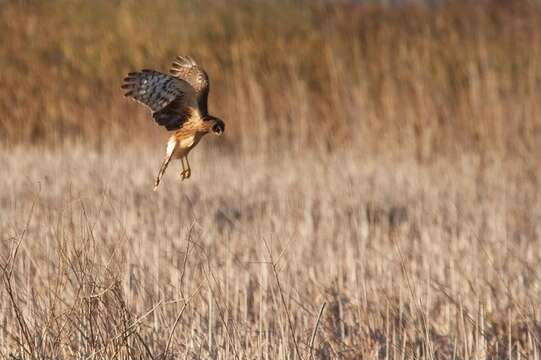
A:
[(188, 169), (183, 169), (169, 154), (165, 162)]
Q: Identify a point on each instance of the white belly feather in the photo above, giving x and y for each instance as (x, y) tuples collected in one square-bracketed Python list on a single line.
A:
[(181, 148), (187, 142)]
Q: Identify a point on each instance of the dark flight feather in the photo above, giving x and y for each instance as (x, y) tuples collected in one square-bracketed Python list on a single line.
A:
[(171, 100)]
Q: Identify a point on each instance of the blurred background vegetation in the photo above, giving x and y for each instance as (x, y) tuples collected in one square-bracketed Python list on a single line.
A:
[(413, 79)]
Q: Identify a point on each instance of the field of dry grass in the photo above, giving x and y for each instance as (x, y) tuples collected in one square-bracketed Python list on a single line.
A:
[(375, 196), (437, 261)]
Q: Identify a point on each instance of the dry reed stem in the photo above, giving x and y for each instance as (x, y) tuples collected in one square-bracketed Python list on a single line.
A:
[(313, 337)]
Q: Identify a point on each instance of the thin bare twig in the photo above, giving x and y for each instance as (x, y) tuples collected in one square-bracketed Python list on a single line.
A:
[(177, 320), (220, 312), (7, 270), (273, 265), (127, 330), (185, 260), (313, 338)]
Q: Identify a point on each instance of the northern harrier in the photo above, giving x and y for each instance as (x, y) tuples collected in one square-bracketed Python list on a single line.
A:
[(179, 102)]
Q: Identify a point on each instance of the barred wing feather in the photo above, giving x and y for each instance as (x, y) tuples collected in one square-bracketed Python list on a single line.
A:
[(185, 68), (171, 100)]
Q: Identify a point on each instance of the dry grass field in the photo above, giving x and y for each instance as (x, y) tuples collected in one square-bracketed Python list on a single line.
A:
[(375, 195)]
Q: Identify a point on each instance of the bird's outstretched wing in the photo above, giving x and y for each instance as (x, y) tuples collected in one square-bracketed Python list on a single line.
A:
[(185, 68), (172, 100)]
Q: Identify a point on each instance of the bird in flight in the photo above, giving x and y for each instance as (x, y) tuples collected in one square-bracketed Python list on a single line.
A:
[(178, 101)]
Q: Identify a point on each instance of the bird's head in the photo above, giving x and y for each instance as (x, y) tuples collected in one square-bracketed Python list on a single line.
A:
[(218, 126)]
